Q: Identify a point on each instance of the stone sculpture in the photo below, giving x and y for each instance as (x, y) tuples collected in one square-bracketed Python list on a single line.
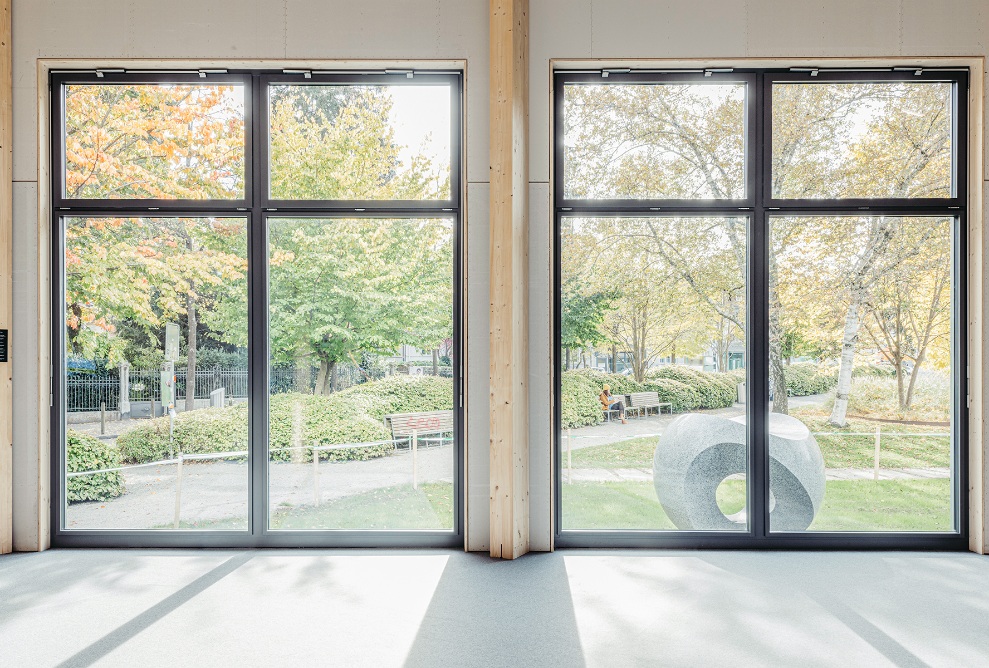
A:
[(697, 452)]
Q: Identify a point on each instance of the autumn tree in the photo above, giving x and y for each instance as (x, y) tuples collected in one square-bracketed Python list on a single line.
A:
[(154, 142)]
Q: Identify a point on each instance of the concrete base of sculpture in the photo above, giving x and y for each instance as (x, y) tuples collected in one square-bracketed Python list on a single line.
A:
[(697, 452)]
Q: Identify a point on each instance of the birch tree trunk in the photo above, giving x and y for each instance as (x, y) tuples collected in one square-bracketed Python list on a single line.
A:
[(190, 368), (849, 340)]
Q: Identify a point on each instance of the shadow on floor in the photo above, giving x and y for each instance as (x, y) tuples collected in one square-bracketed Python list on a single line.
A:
[(477, 613)]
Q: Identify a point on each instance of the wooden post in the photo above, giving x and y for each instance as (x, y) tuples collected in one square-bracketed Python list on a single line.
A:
[(178, 491), (315, 475), (509, 257), (7, 287), (415, 459), (875, 468)]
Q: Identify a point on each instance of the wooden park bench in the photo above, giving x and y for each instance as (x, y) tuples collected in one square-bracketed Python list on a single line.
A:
[(643, 401), (432, 428)]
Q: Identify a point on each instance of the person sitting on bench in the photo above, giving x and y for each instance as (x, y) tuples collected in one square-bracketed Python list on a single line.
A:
[(609, 403)]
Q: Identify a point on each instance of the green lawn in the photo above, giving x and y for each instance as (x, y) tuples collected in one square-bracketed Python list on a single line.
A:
[(839, 451), (849, 505), (429, 507)]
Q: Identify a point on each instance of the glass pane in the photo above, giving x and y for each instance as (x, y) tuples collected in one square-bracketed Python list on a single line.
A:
[(655, 141), (360, 142), (653, 358), (886, 140), (860, 362), (361, 427), (156, 373), (154, 141)]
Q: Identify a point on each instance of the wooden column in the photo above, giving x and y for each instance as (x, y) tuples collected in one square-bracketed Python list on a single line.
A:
[(509, 116), (6, 281)]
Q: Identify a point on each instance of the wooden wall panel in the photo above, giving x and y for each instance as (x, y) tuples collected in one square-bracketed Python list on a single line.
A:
[(6, 280), (509, 363)]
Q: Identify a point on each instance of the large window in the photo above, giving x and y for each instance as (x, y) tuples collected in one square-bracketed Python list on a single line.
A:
[(761, 308), (257, 309)]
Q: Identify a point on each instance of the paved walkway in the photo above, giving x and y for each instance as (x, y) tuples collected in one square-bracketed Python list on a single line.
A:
[(645, 475), (637, 427), (218, 490)]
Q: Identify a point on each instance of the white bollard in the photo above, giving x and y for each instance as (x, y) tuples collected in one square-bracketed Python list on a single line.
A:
[(315, 475), (178, 491), (875, 469), (415, 459)]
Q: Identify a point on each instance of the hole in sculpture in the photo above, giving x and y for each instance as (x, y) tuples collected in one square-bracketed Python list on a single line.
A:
[(730, 497)]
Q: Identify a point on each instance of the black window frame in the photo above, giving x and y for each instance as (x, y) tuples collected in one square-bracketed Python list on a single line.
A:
[(758, 207), (256, 209)]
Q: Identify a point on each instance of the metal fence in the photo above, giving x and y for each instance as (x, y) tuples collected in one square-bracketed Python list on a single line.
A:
[(87, 392)]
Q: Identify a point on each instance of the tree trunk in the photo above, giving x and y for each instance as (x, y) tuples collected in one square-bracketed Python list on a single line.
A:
[(566, 366), (614, 357), (190, 369), (913, 379), (777, 378), (844, 388), (327, 376), (436, 362)]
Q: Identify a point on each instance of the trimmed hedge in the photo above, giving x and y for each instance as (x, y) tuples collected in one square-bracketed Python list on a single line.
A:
[(619, 383), (404, 394), (684, 397), (86, 453), (351, 416), (579, 405), (716, 390), (806, 378), (685, 388)]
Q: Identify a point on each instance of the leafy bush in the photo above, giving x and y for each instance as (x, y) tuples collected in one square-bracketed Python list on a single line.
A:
[(806, 378), (350, 416), (579, 405), (876, 396), (716, 390), (619, 383), (86, 453), (684, 397), (404, 394), (874, 370), (196, 432)]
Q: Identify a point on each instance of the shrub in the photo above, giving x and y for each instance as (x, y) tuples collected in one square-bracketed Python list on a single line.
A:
[(715, 389), (350, 416), (579, 405), (86, 453), (684, 397), (806, 378), (404, 394), (619, 383), (874, 370)]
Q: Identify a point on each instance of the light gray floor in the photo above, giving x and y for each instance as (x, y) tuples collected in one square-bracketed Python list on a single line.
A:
[(447, 608)]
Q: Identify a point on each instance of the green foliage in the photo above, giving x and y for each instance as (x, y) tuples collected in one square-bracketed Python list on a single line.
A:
[(684, 397), (620, 384), (350, 416), (86, 453), (874, 371), (582, 314), (806, 378), (579, 405), (716, 390), (685, 388), (404, 394)]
